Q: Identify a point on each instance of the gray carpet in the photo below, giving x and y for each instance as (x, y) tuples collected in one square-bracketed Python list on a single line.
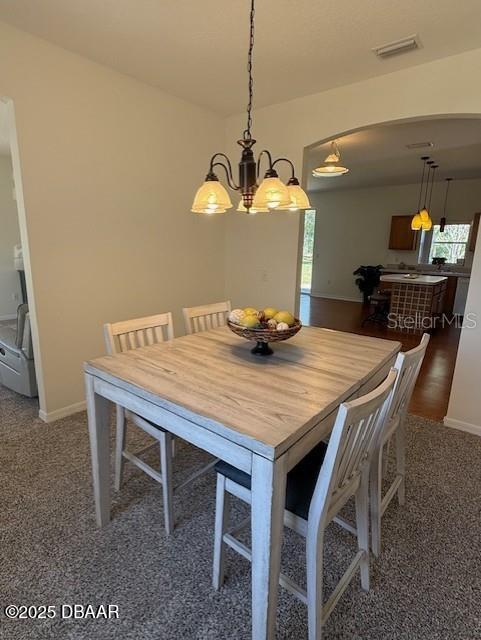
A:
[(426, 584)]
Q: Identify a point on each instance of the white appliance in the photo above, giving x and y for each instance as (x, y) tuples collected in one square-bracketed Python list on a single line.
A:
[(461, 295)]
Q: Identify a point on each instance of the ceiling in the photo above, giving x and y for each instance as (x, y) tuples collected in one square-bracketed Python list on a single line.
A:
[(197, 49), (4, 142), (378, 156)]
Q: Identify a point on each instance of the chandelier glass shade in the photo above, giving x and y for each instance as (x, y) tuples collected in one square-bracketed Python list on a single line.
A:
[(272, 193), (331, 167), (211, 197), (257, 195), (242, 209), (298, 196)]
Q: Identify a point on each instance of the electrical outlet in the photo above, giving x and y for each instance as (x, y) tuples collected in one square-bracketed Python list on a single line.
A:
[(264, 275)]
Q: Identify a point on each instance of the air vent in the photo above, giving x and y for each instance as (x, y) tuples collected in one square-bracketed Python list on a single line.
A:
[(419, 145), (397, 47)]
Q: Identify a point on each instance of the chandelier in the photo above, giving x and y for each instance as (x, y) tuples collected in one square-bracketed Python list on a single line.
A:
[(271, 194)]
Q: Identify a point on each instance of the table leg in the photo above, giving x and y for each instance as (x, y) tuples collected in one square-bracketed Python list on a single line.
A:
[(268, 501), (98, 411)]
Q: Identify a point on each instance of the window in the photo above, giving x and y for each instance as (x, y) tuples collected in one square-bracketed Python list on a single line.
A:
[(308, 249), (451, 243)]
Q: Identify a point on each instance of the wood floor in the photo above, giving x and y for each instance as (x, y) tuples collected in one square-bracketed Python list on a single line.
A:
[(431, 395)]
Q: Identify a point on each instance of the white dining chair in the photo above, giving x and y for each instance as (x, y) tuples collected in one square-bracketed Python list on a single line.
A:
[(317, 488), (205, 317), (124, 336), (408, 365)]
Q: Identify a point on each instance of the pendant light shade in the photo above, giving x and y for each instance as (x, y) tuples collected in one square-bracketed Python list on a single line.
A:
[(271, 193), (424, 214), (416, 222), (427, 225), (329, 171), (331, 167), (211, 197)]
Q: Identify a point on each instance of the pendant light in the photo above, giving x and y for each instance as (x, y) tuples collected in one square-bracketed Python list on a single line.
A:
[(424, 213), (416, 222), (271, 194), (427, 223), (442, 222), (331, 167)]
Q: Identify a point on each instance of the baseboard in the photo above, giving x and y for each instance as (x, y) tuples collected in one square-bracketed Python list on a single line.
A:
[(8, 317), (51, 416), (329, 296), (462, 426)]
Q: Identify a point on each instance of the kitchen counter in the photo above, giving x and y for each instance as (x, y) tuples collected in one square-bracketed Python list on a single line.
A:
[(420, 280), (415, 303), (427, 272)]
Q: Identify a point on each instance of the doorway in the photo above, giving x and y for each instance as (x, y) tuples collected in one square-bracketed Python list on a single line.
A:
[(308, 250), (357, 210), (18, 337)]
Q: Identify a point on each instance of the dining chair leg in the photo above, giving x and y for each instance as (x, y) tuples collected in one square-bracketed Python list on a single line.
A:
[(375, 501), (221, 520), (401, 462), (315, 596), (362, 526), (119, 446), (385, 457), (165, 441)]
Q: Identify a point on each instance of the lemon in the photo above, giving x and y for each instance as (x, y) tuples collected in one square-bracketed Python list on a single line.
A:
[(250, 321), (250, 311), (270, 312), (285, 316)]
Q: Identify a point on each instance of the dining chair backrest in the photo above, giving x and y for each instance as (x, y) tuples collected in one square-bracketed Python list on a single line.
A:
[(205, 317), (139, 332), (350, 448), (408, 365)]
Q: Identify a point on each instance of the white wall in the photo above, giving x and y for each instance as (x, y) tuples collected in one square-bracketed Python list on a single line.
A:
[(353, 227), (464, 410), (10, 294), (109, 168), (267, 247)]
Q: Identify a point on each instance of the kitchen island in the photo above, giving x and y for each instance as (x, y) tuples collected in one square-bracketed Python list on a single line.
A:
[(416, 302)]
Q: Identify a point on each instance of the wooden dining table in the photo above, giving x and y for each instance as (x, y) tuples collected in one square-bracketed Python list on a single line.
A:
[(260, 414)]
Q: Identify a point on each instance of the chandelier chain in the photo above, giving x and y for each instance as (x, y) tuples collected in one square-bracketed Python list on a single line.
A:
[(247, 132)]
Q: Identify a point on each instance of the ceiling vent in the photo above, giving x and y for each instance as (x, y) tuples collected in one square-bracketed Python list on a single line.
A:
[(419, 145), (397, 47)]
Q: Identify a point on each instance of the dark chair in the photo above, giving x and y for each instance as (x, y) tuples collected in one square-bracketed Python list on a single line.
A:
[(380, 304)]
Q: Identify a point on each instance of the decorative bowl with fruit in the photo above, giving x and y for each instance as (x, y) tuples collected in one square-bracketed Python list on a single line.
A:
[(267, 325)]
